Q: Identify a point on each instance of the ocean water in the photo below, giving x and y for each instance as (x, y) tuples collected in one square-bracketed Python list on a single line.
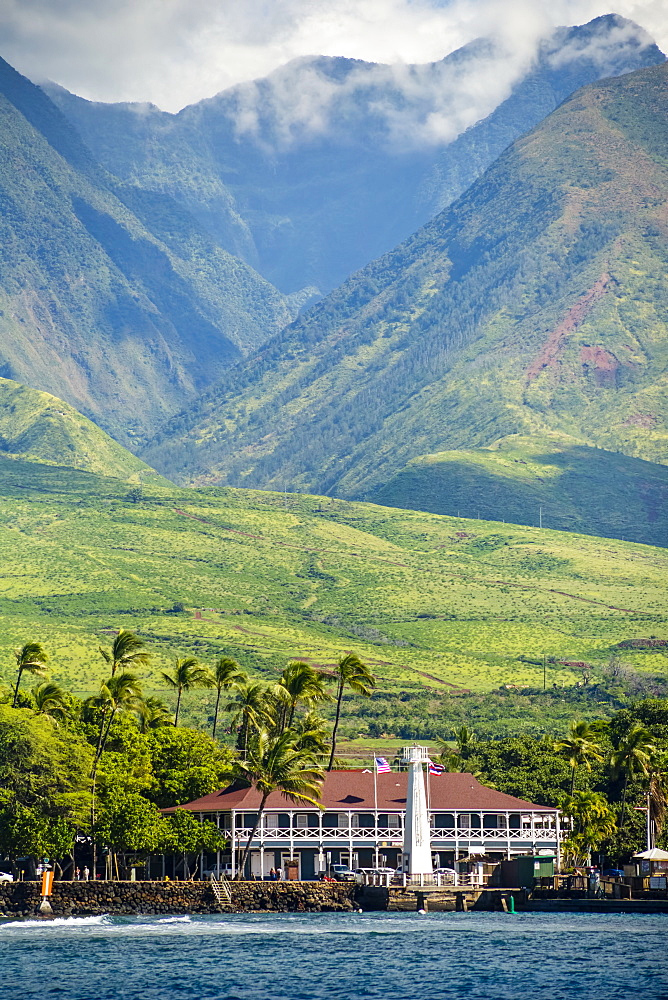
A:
[(455, 956)]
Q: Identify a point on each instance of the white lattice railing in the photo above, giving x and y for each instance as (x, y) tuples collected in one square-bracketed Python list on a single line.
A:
[(355, 833)]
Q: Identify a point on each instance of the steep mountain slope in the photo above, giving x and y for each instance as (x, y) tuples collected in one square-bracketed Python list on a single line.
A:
[(37, 427), (328, 163), (556, 481), (112, 299), (429, 602), (537, 303)]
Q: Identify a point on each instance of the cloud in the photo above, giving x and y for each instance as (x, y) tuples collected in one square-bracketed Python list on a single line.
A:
[(175, 52)]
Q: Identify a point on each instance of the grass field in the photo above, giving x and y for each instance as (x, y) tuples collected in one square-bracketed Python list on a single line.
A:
[(430, 602)]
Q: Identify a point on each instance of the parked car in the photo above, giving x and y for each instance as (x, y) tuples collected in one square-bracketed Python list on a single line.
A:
[(225, 871), (612, 873), (342, 873), (6, 877)]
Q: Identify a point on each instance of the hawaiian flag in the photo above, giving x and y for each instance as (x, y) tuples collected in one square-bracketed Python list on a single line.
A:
[(436, 768), (382, 767)]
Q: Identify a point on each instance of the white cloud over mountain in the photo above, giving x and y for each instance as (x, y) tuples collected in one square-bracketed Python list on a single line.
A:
[(175, 52)]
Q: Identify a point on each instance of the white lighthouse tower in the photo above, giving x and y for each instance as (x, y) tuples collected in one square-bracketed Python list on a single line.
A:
[(417, 833)]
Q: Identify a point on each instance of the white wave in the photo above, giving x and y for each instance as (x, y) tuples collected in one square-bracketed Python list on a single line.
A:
[(59, 923)]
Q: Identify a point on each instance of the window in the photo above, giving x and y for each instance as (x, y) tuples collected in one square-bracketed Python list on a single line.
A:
[(393, 821), (464, 821), (301, 821), (270, 821), (355, 820)]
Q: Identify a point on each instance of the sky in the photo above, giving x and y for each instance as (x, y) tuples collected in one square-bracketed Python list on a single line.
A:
[(176, 52)]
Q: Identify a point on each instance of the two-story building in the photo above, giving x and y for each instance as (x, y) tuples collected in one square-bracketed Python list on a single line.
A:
[(362, 823)]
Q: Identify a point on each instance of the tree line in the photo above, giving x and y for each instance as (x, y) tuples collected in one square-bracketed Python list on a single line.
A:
[(95, 772)]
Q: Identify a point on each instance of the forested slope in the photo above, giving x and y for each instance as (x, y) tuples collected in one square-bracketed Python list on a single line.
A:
[(327, 163), (111, 298), (536, 303)]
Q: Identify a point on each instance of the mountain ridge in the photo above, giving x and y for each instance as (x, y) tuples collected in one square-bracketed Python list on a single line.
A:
[(328, 163), (499, 317), (123, 322)]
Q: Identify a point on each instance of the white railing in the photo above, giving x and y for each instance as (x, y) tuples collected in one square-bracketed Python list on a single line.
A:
[(455, 880), (357, 833)]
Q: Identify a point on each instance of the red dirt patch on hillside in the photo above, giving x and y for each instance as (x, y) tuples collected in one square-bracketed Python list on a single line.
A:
[(601, 364), (549, 354)]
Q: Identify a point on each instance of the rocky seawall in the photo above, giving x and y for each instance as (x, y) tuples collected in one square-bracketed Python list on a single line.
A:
[(83, 899)]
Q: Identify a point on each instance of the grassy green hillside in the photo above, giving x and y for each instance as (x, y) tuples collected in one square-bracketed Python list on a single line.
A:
[(37, 427), (573, 487), (111, 298), (536, 304), (435, 604)]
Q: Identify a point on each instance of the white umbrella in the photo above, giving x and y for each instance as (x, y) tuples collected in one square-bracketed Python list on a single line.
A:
[(656, 854)]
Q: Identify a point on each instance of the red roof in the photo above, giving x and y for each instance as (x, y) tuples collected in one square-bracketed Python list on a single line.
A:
[(344, 790)]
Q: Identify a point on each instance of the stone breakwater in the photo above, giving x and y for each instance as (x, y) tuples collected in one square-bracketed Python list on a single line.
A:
[(85, 899)]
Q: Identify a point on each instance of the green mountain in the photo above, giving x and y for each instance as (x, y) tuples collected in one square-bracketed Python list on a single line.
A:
[(38, 427), (435, 605), (536, 304), (327, 163), (111, 298), (557, 481)]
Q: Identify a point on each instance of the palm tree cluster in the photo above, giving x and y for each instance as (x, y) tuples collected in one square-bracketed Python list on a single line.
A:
[(631, 754), (282, 742)]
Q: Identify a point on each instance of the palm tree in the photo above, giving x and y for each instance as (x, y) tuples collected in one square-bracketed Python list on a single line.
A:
[(301, 682), (51, 700), (465, 740), (657, 796), (32, 659), (276, 763), (311, 734), (578, 748), (352, 673), (632, 755), (186, 674), (154, 713), (128, 652), (226, 672), (118, 695), (253, 708), (592, 823)]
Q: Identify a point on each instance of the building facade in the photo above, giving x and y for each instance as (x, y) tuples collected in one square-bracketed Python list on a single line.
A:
[(361, 824)]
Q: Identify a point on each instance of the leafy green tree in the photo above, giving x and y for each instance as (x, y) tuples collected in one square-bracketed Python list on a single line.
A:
[(51, 701), (579, 749), (44, 785), (186, 674), (128, 652), (185, 765), (299, 682), (523, 766), (32, 659), (276, 763), (350, 673), (187, 835), (311, 734), (129, 823), (226, 673), (465, 741), (632, 755)]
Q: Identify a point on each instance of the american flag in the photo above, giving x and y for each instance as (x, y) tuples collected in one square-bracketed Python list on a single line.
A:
[(435, 768), (382, 767)]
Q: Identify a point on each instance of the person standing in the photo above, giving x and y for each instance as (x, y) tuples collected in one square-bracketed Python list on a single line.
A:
[(86, 873)]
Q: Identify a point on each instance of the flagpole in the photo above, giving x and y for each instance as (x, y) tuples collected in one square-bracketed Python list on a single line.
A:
[(375, 803)]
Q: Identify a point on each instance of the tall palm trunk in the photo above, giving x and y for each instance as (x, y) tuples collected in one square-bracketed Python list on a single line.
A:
[(339, 699), (623, 815), (247, 848), (215, 713), (178, 706), (16, 689), (572, 780)]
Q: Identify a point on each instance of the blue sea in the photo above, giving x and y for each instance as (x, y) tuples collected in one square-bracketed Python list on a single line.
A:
[(455, 956)]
